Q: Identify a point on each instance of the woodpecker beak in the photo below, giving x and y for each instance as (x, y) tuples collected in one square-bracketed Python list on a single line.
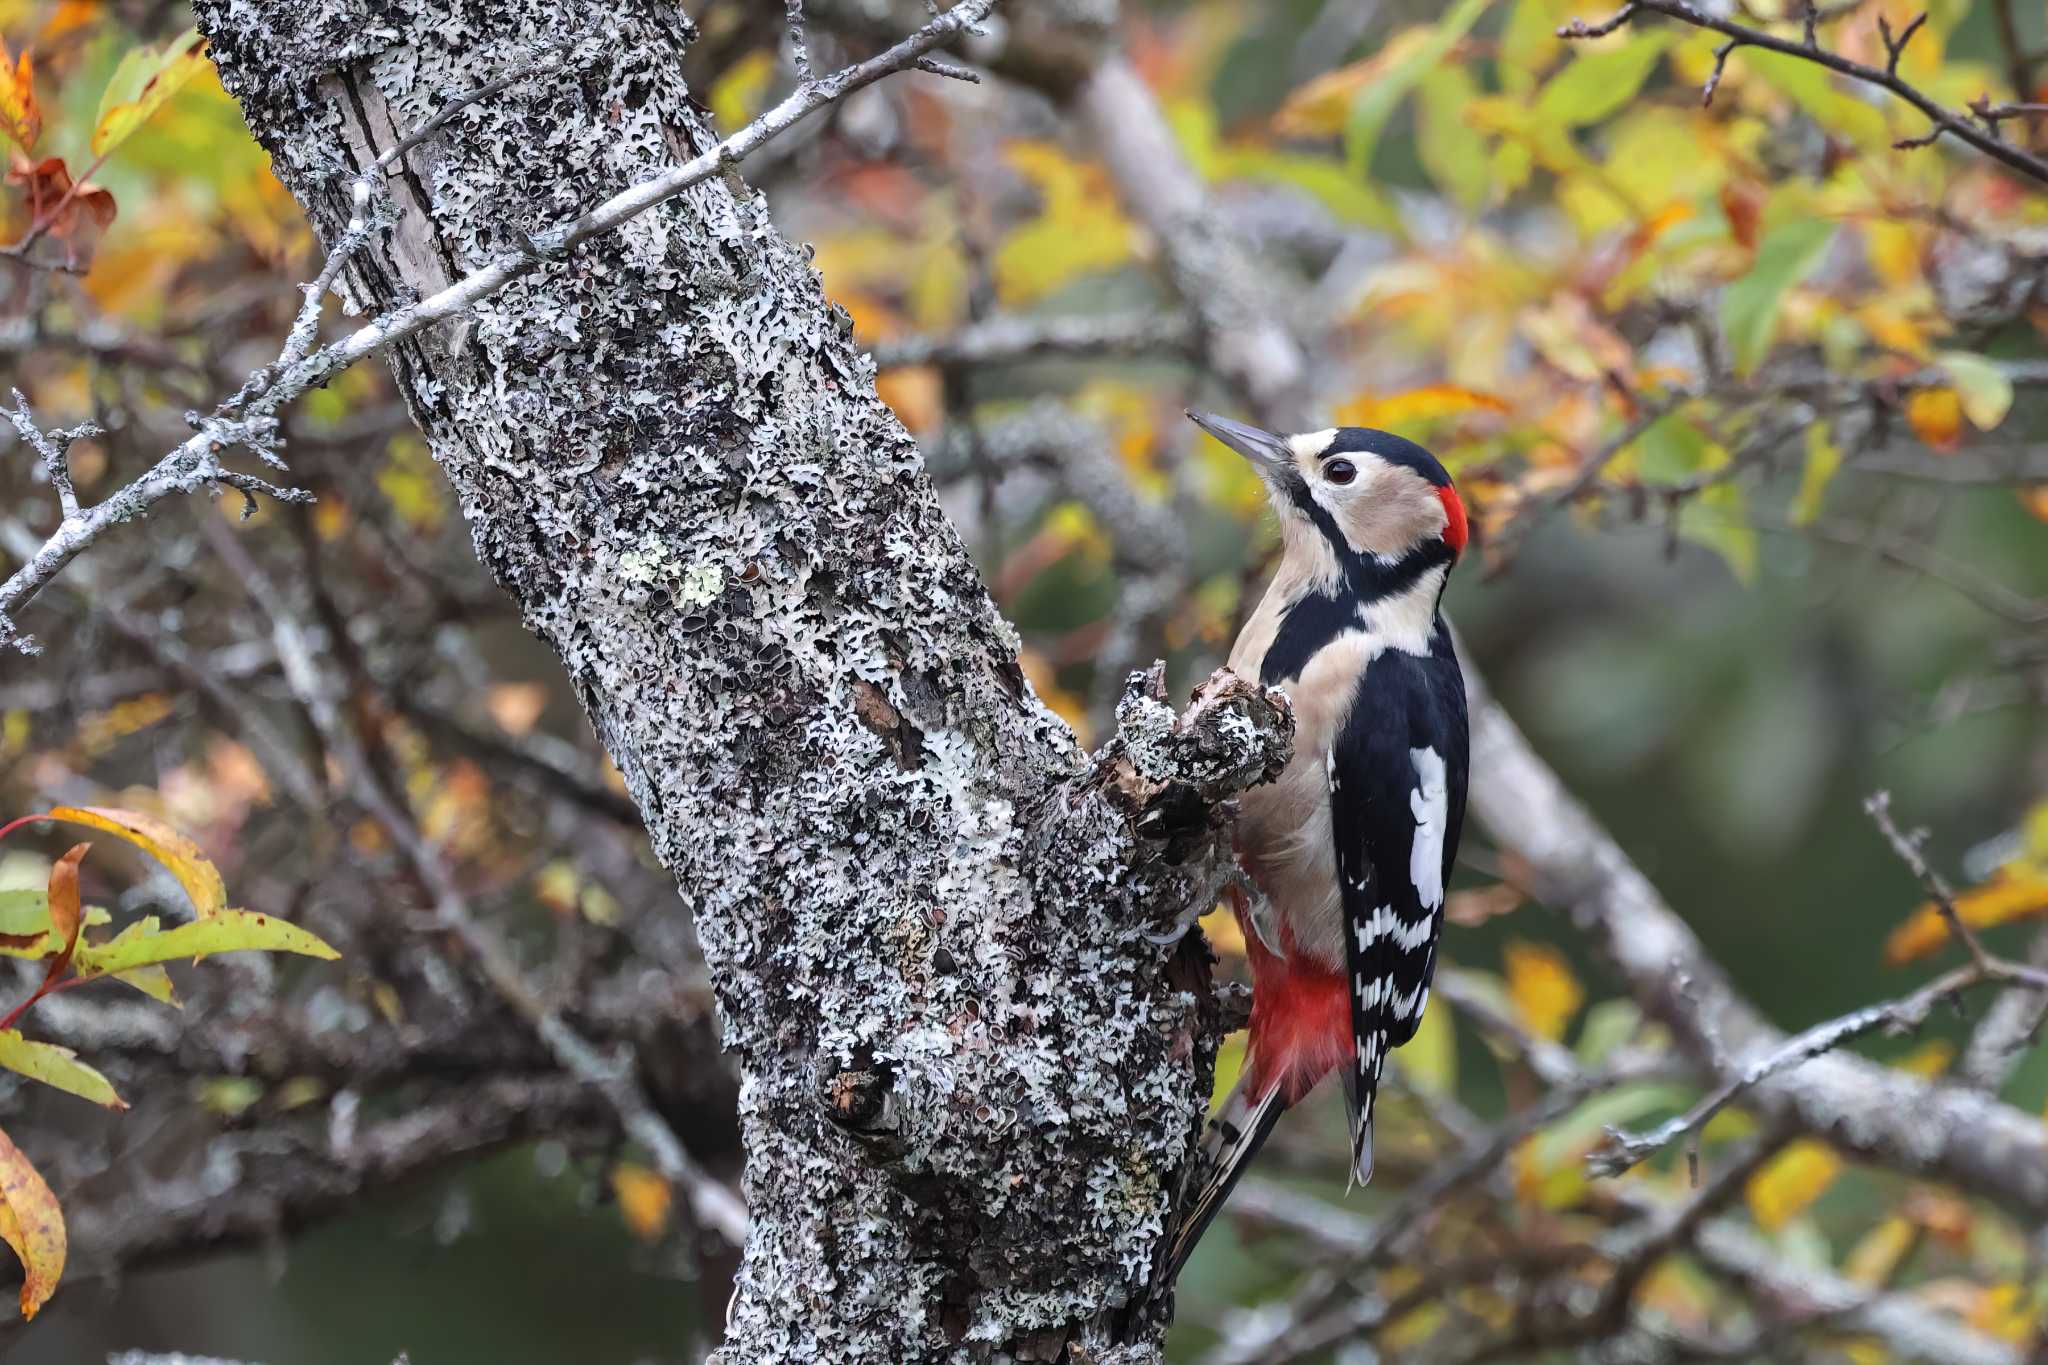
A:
[(1269, 454)]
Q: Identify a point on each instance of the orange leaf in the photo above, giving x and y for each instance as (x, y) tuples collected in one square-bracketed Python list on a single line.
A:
[(2011, 893), (74, 215), (32, 1224), (21, 119), (1541, 984), (184, 859), (64, 909), (644, 1199), (1470, 909), (516, 707), (1743, 203), (2034, 497), (1936, 416)]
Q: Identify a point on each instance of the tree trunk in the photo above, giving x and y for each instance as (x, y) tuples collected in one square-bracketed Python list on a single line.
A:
[(972, 1079)]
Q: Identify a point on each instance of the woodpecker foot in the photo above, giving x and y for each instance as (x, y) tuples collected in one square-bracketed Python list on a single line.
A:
[(1262, 913)]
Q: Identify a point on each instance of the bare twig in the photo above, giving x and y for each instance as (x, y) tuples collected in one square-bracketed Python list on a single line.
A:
[(196, 464), (1945, 120), (614, 1077), (54, 447), (1006, 340)]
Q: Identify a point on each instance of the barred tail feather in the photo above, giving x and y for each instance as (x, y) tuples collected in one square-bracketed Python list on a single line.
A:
[(1358, 1099), (1233, 1138)]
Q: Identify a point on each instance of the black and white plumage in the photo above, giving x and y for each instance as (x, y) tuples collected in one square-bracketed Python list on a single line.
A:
[(1347, 854)]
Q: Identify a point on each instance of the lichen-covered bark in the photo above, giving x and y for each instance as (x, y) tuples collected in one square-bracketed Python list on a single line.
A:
[(971, 1077)]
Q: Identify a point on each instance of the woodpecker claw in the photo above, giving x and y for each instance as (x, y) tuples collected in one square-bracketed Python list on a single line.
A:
[(1259, 910), (1178, 930)]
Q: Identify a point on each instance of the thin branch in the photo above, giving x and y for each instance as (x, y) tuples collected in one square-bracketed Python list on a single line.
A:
[(195, 464), (615, 1077), (1008, 340), (54, 447), (799, 54), (1945, 120)]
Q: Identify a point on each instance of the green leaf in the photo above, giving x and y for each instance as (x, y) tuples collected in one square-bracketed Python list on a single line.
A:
[(226, 932), (1985, 389), (1718, 518), (1607, 1026), (1377, 102), (24, 913), (1749, 308), (1598, 82), (1429, 1060), (32, 908), (57, 1066), (1452, 150), (142, 84), (1672, 448), (1823, 458), (153, 981)]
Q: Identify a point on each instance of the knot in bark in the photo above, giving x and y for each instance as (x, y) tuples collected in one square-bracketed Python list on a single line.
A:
[(1170, 770)]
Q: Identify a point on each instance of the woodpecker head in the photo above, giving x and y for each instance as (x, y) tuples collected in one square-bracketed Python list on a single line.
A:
[(1368, 494)]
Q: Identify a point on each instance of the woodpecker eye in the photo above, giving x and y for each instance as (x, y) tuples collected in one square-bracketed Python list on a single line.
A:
[(1340, 471)]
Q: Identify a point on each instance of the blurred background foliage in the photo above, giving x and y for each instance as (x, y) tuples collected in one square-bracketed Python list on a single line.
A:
[(1744, 399)]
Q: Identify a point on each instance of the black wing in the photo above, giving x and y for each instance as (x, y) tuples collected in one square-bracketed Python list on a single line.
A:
[(1397, 803)]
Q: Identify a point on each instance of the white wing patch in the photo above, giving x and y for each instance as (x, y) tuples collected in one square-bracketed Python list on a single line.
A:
[(1430, 802)]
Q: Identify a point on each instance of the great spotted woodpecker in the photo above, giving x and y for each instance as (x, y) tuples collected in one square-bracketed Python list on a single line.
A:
[(1345, 856)]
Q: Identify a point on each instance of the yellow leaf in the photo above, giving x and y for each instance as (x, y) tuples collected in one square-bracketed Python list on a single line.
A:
[(20, 117), (1220, 927), (179, 855), (2015, 891), (410, 482), (1429, 1060), (1790, 1182), (32, 1224), (737, 93), (1230, 1056), (1540, 983), (1936, 416), (1873, 1259), (1415, 405), (55, 1066), (2002, 1311), (1893, 249), (644, 1199), (1079, 232), (141, 85), (1823, 458)]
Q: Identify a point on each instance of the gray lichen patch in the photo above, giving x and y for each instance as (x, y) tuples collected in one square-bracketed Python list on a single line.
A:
[(972, 1075)]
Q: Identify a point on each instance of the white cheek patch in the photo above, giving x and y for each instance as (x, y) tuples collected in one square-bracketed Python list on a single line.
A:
[(1430, 804)]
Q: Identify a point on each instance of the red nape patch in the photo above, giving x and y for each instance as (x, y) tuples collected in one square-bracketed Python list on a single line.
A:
[(1454, 513)]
